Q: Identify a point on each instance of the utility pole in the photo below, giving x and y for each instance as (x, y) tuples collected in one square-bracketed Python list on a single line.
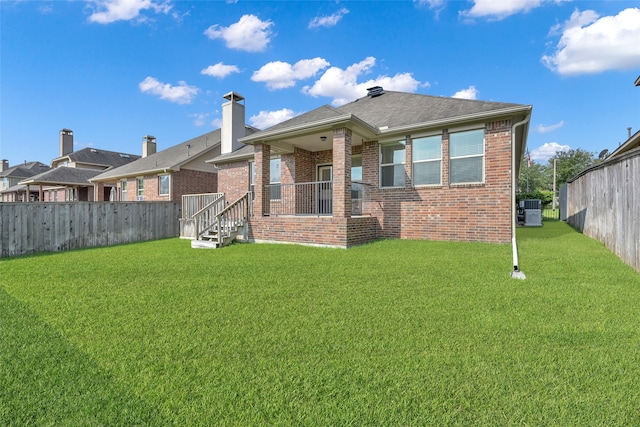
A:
[(554, 183)]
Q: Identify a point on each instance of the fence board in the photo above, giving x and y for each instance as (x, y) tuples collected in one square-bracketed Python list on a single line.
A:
[(50, 227), (604, 203)]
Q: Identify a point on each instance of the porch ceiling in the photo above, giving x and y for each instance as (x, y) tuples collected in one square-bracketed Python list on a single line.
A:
[(317, 136)]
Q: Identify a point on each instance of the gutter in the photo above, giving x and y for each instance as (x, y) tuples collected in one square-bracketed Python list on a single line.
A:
[(516, 273)]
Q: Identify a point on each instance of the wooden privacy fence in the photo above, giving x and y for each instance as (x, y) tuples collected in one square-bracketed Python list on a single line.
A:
[(604, 203), (27, 228)]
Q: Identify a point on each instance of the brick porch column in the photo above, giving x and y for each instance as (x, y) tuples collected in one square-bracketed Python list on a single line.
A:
[(98, 192), (262, 158), (342, 173)]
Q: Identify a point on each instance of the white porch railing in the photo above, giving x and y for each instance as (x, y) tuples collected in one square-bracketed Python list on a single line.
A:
[(198, 211), (311, 198), (192, 203)]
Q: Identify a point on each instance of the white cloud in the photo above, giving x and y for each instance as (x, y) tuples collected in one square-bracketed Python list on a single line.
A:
[(281, 75), (590, 44), (220, 70), (249, 34), (108, 11), (548, 128), (180, 94), (342, 85), (547, 151), (328, 21), (265, 119), (469, 93), (499, 9)]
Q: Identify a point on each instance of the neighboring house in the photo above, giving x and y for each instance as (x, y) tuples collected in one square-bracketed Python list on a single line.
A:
[(68, 178), (168, 174), (388, 165), (10, 189)]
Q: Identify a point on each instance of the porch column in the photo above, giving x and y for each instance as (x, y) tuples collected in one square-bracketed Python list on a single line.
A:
[(98, 192), (262, 158), (40, 194), (342, 173)]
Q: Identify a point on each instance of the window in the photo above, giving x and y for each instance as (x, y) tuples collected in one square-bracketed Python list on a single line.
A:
[(123, 186), (140, 186), (252, 175), (274, 178), (392, 158), (427, 160), (356, 168), (356, 177), (466, 163), (164, 182)]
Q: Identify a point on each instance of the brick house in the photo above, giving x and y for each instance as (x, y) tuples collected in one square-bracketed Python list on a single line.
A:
[(168, 174), (68, 177), (387, 165), (10, 177)]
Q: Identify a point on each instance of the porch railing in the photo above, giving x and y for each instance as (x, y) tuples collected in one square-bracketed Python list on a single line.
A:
[(228, 221), (198, 211), (311, 198), (192, 203)]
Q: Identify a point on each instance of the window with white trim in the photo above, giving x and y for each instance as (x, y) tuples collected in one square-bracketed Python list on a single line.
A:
[(274, 178), (140, 188), (392, 159), (123, 189), (164, 185), (466, 157), (427, 160)]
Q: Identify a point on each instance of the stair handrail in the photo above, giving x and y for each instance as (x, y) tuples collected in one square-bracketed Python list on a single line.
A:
[(210, 211), (234, 215)]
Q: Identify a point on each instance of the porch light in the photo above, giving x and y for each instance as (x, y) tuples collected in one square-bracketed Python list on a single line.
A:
[(323, 138)]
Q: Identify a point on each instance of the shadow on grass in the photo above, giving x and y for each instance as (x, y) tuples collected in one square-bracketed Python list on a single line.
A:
[(47, 381)]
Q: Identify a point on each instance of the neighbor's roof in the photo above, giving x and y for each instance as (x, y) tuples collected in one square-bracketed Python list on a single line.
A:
[(98, 157), (396, 111), (63, 176), (24, 170), (170, 159)]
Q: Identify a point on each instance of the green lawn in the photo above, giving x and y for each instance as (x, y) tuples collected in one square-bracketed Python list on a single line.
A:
[(391, 333)]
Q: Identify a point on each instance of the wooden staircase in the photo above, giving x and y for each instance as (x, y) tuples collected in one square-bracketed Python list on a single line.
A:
[(222, 228)]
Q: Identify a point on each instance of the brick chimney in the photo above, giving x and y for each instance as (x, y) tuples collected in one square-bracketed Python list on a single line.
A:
[(4, 165), (148, 145), (66, 142), (232, 122)]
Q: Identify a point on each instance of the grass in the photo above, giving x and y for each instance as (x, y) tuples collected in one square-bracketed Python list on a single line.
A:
[(390, 333)]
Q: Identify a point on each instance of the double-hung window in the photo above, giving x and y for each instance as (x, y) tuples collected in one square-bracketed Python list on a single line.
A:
[(274, 178), (466, 157), (123, 189), (164, 184), (427, 160), (140, 188), (392, 159)]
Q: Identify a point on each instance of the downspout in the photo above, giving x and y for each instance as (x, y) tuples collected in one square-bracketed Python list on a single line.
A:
[(516, 273)]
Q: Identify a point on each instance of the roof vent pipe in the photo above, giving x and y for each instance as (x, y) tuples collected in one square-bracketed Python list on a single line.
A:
[(375, 91)]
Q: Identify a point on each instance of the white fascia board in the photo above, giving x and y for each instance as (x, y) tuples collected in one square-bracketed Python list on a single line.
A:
[(306, 128), (441, 123)]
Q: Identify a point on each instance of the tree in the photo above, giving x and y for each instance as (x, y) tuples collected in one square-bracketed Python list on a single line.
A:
[(569, 164)]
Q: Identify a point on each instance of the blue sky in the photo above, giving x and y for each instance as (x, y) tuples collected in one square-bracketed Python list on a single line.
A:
[(114, 71)]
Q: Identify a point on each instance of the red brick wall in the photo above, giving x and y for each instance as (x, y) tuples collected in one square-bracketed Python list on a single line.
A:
[(185, 181), (475, 212), (325, 231), (233, 180), (471, 212)]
